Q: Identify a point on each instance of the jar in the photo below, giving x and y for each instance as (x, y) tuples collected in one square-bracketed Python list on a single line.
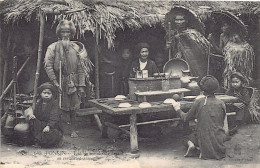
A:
[(22, 127), (194, 87), (165, 85)]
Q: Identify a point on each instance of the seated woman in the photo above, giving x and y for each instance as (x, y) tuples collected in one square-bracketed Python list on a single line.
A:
[(143, 63), (45, 122), (238, 89)]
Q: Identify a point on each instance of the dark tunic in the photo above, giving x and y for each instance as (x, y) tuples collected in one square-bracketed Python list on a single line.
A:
[(150, 66), (109, 74), (47, 114), (210, 113), (243, 94)]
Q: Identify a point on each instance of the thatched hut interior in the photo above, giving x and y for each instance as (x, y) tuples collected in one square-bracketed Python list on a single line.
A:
[(109, 25)]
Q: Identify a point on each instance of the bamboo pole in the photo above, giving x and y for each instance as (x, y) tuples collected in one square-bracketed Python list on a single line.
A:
[(152, 122), (37, 74), (170, 48), (5, 73), (14, 83), (11, 83), (1, 59), (60, 83)]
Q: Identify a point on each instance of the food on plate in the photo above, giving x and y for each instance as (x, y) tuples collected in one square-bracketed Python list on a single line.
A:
[(124, 105), (144, 105), (120, 97)]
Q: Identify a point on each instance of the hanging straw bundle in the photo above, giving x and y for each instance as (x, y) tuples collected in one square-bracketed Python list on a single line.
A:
[(239, 57), (254, 108)]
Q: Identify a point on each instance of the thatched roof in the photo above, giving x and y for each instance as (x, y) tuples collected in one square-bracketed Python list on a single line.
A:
[(105, 17)]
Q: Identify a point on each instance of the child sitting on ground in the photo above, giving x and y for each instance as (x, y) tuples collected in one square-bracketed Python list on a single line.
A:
[(45, 122), (238, 89), (210, 112)]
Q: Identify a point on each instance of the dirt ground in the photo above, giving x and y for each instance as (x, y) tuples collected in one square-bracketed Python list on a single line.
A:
[(90, 150)]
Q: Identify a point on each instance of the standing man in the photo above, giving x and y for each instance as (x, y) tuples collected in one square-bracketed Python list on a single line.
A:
[(185, 40), (66, 54)]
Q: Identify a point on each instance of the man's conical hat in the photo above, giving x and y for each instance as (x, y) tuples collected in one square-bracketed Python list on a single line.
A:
[(193, 21)]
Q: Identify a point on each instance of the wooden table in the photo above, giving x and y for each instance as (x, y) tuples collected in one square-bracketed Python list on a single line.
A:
[(110, 106), (159, 95)]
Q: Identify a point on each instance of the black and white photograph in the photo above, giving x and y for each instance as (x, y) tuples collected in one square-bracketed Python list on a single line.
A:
[(130, 84)]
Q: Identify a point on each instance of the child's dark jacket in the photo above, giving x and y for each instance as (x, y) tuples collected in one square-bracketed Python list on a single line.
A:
[(47, 115), (244, 96)]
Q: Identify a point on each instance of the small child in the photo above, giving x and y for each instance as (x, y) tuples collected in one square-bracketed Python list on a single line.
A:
[(124, 69), (210, 112), (45, 122), (238, 89)]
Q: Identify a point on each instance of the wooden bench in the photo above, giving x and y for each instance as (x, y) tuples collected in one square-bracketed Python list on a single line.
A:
[(91, 111)]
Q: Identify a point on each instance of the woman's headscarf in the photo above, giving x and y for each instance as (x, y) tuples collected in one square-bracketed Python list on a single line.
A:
[(140, 46)]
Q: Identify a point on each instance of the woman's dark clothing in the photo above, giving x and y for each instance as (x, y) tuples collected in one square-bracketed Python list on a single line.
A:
[(125, 66), (150, 66), (47, 114), (210, 113)]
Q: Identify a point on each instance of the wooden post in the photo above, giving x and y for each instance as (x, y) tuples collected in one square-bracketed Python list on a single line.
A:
[(257, 61), (133, 134), (1, 72), (97, 64), (37, 74), (1, 58)]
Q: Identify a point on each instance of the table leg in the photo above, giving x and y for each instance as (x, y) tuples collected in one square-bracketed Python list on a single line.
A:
[(104, 119), (133, 134)]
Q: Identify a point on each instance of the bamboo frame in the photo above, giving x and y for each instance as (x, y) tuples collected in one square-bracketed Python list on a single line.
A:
[(11, 83)]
